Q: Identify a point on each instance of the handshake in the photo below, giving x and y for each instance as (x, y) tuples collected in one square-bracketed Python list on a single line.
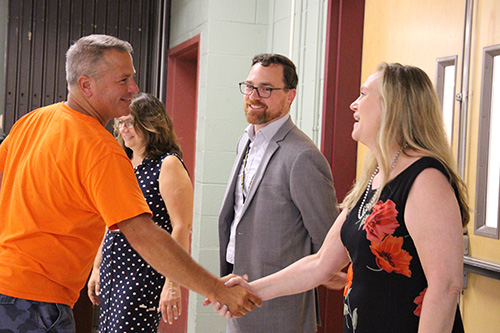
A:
[(236, 298), (244, 296)]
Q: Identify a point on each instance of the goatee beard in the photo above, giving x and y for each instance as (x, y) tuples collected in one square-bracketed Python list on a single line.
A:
[(255, 118)]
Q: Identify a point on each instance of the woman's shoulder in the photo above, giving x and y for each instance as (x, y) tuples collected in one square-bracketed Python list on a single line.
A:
[(172, 161), (170, 158), (417, 161)]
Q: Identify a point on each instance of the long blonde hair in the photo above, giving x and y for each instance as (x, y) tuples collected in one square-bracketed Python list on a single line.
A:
[(411, 117)]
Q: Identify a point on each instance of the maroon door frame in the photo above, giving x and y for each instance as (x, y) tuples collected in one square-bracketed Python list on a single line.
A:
[(344, 41), (182, 96), (181, 104)]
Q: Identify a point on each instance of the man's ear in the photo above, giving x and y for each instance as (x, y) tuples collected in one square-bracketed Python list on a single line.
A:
[(85, 83), (291, 95)]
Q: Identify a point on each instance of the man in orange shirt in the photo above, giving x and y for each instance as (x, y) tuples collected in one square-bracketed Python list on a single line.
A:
[(63, 178)]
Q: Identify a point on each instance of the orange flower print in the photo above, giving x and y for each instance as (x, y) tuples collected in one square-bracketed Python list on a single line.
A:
[(391, 257), (419, 300), (382, 221), (349, 280)]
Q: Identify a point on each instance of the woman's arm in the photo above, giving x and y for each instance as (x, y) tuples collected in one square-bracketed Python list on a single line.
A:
[(308, 272), (93, 285), (177, 193), (433, 219)]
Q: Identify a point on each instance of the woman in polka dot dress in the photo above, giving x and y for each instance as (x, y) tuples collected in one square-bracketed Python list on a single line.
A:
[(132, 295)]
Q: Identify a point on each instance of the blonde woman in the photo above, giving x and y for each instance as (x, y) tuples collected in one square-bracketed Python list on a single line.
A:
[(132, 294), (401, 224)]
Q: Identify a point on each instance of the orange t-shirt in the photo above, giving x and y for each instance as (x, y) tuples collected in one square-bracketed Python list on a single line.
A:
[(64, 179)]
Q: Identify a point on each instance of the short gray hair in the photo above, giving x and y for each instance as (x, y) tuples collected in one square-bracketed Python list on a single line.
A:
[(86, 55)]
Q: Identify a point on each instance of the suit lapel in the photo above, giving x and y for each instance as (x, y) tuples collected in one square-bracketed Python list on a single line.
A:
[(270, 151), (228, 202)]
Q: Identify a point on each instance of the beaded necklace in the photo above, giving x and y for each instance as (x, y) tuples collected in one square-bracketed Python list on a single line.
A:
[(243, 175), (363, 209)]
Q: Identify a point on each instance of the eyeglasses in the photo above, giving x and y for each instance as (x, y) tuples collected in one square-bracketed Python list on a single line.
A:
[(263, 92), (128, 123)]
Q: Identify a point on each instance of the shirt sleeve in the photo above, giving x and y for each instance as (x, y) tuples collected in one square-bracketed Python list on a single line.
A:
[(113, 189)]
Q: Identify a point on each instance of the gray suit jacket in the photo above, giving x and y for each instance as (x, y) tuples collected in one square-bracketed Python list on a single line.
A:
[(286, 216)]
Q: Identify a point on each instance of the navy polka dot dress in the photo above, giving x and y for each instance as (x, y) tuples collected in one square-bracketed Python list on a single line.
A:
[(130, 288)]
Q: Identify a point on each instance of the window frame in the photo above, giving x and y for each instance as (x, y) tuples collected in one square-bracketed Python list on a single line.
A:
[(480, 226), (441, 64)]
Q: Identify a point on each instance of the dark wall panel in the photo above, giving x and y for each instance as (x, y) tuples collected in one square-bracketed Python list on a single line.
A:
[(10, 115), (124, 27), (24, 53), (100, 12), (40, 32), (135, 38), (113, 14), (88, 17), (76, 21), (63, 40), (37, 55), (49, 51)]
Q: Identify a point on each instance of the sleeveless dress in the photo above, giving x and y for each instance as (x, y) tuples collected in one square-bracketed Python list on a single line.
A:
[(130, 287), (386, 282)]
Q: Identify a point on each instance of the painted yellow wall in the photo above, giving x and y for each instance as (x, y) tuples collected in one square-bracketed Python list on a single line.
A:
[(481, 305), (486, 33), (481, 300), (417, 32), (411, 32)]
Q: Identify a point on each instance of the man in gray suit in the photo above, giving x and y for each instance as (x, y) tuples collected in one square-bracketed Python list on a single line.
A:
[(279, 202)]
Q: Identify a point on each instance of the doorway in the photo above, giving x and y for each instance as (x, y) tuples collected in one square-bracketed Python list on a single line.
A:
[(181, 104), (182, 96)]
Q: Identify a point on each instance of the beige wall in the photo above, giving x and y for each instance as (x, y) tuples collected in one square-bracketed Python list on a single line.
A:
[(417, 32), (481, 300), (413, 32)]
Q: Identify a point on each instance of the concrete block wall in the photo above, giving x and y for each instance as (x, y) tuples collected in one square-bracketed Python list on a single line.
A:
[(231, 33), (306, 48)]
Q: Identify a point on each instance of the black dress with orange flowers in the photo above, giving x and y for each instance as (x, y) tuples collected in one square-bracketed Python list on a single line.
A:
[(386, 282)]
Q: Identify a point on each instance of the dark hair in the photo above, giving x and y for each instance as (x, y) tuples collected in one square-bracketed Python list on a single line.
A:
[(152, 121), (290, 77)]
